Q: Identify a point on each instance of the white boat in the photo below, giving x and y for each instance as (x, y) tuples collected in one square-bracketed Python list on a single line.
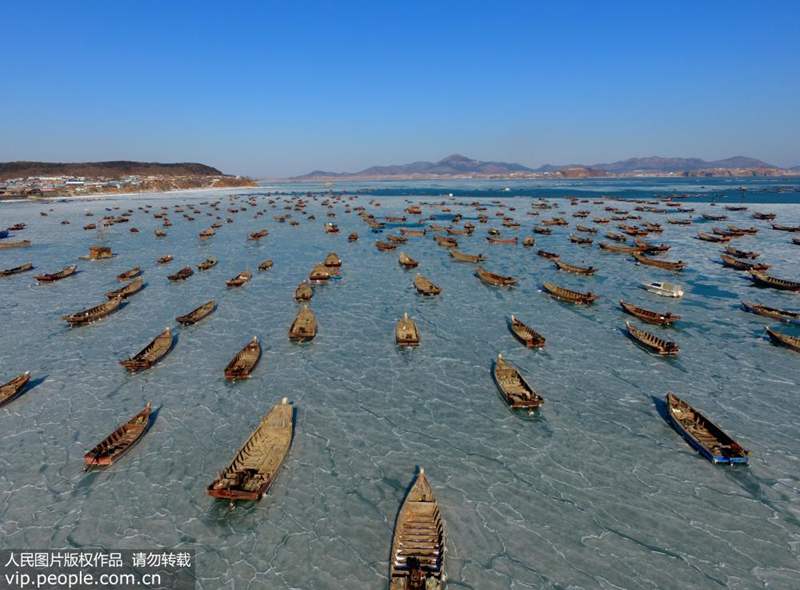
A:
[(664, 289)]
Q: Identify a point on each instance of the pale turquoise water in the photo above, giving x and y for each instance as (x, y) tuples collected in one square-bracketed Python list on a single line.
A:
[(598, 492)]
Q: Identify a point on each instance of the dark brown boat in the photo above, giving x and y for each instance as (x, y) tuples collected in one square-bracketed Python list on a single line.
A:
[(741, 253), (197, 314), (446, 242), (581, 270), (240, 279), (617, 249), (665, 264), (9, 391), (734, 263), (385, 246), (651, 342), (702, 434), (512, 385), (352, 237), (771, 312), (304, 326), (93, 314), (616, 237), (796, 241), (303, 292), (418, 544), (525, 334), (548, 255), (57, 276), (165, 259), (120, 441), (464, 257), (182, 274), (791, 342), (129, 274), (265, 265), (494, 279), (652, 317), (569, 296), (764, 216), (764, 280), (126, 291), (546, 231), (7, 245), (788, 228), (244, 362), (207, 264), (150, 354), (575, 239), (406, 261), (16, 270), (256, 464), (425, 286), (646, 247), (257, 235), (706, 237)]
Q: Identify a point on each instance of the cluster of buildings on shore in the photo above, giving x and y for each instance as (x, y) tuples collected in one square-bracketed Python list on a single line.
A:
[(47, 186)]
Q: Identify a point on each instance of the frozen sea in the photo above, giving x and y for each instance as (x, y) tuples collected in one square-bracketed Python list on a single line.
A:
[(597, 492)]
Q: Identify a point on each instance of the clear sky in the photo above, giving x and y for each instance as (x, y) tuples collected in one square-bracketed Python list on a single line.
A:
[(276, 89)]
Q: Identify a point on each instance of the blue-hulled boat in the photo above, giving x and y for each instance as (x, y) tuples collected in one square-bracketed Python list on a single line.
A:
[(3, 234), (705, 436)]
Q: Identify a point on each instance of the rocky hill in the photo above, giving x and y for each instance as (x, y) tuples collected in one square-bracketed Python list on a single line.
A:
[(116, 169)]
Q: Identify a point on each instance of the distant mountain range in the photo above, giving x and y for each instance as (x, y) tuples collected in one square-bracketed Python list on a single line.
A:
[(116, 169), (462, 166)]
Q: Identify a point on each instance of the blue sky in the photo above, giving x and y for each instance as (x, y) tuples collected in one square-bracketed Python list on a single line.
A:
[(275, 89)]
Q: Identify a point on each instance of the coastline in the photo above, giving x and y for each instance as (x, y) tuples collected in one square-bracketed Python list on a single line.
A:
[(99, 196)]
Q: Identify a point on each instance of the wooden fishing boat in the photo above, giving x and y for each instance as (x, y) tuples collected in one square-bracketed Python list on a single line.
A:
[(406, 261), (304, 292), (182, 274), (585, 229), (446, 242), (771, 312), (385, 246), (464, 257), (525, 334), (679, 221), (16, 270), (741, 253), (575, 297), (207, 233), (702, 434), (791, 342), (320, 272), (150, 354), (207, 264), (126, 291), (709, 217), (352, 237), (160, 233), (652, 317), (240, 279), (418, 544), (257, 235), (256, 464), (764, 216), (512, 385), (764, 280), (93, 314), (244, 362), (98, 253), (425, 286), (265, 265), (575, 239), (165, 259), (120, 441), (129, 274), (652, 342), (618, 249), (331, 228), (397, 239), (548, 255), (734, 263), (788, 228), (665, 264), (9, 391), (650, 248), (304, 326), (528, 242), (406, 332), (17, 244), (706, 237), (57, 276), (332, 260), (616, 237), (546, 231), (796, 241), (581, 270), (197, 314), (493, 279), (493, 240), (413, 233)]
